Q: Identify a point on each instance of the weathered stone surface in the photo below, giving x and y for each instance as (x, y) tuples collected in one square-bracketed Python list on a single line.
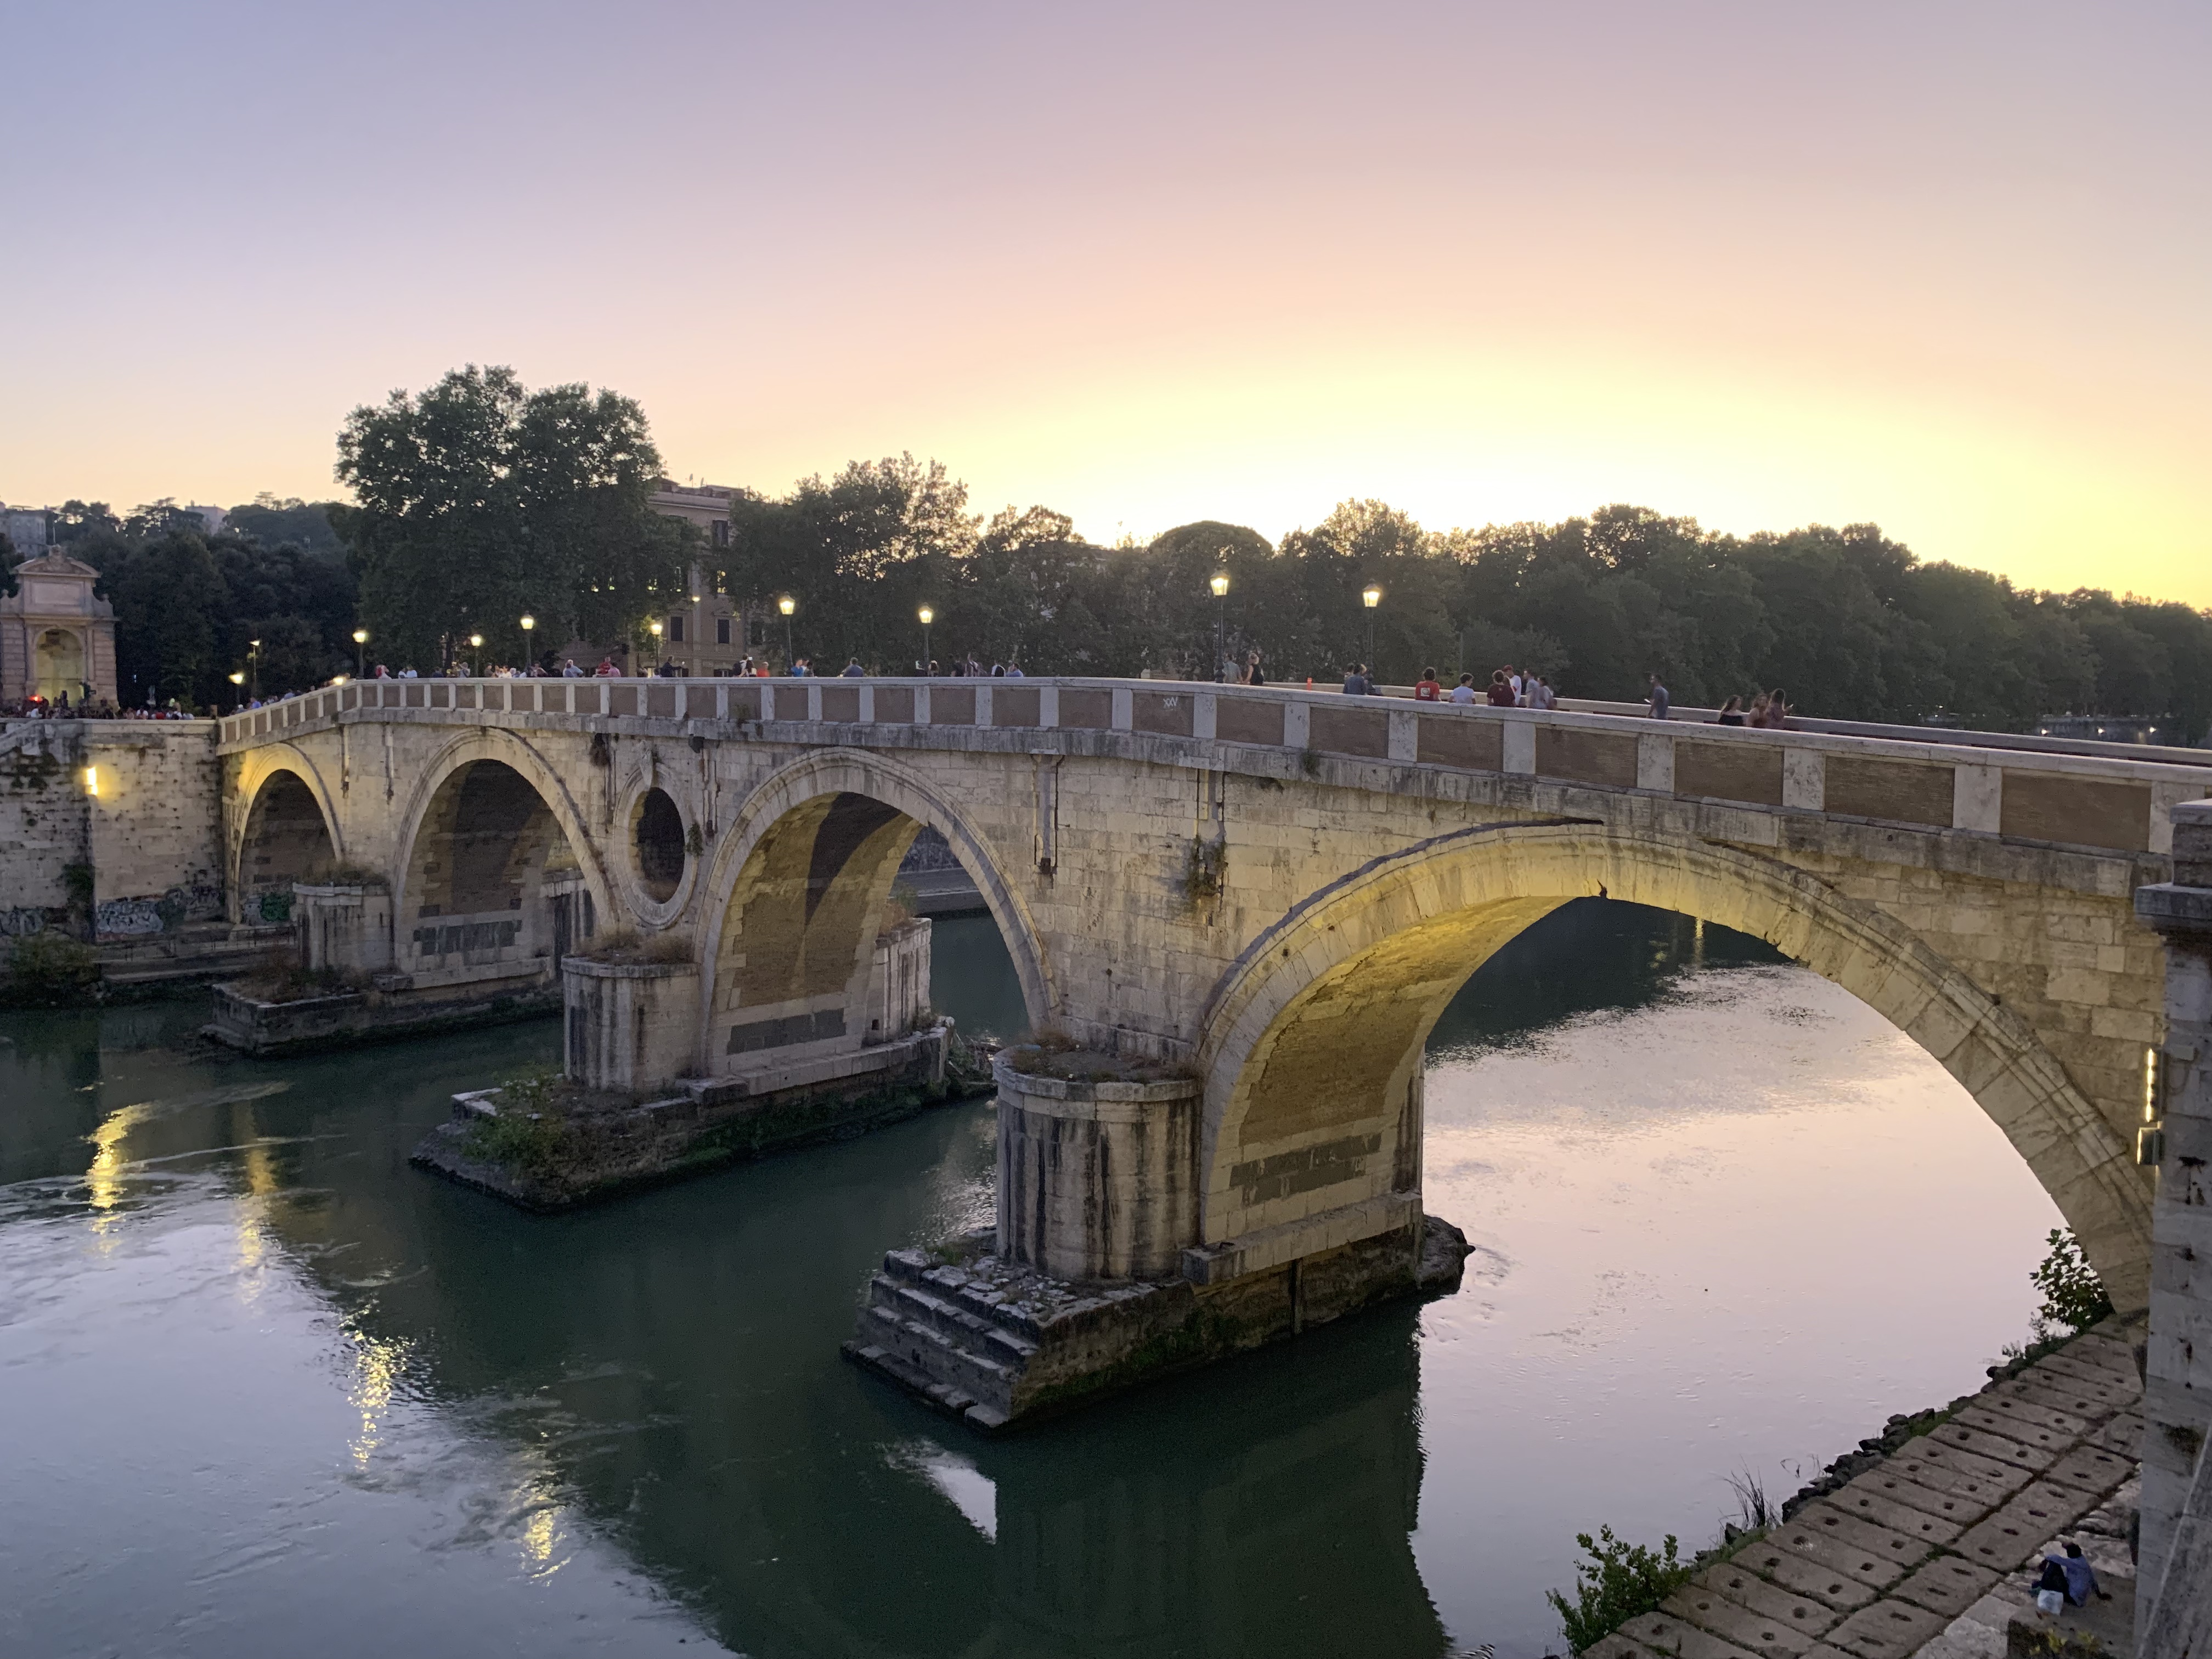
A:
[(1805, 1576), (1948, 1585), (1890, 1629), (1250, 906), (1663, 1633), (1768, 1601), (1866, 1498), (1861, 1533)]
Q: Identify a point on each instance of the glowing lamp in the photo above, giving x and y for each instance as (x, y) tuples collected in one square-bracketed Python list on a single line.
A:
[(1220, 585)]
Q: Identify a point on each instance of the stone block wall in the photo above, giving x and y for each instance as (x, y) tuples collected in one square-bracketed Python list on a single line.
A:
[(119, 821)]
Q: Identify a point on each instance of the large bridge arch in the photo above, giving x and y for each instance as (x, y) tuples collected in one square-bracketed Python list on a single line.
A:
[(1314, 1037), (861, 811), (502, 817), (284, 828)]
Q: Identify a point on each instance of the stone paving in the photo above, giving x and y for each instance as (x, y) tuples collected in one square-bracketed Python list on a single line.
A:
[(1928, 1553)]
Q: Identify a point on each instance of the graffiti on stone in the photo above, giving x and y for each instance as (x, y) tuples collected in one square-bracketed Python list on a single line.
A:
[(195, 900), (131, 918), (21, 920), (276, 905)]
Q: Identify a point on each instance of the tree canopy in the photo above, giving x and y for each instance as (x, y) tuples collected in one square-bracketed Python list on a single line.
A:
[(189, 606), (1847, 621), (479, 501)]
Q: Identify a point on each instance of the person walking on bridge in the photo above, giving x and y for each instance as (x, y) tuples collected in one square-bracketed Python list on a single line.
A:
[(1356, 683), (1657, 700)]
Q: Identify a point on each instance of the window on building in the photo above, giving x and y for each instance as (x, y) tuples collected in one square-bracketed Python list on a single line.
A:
[(721, 532), (676, 628), (721, 630)]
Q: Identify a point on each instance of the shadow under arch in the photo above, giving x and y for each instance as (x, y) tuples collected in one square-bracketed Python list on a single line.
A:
[(494, 862), (287, 830), (1314, 1037), (817, 846)]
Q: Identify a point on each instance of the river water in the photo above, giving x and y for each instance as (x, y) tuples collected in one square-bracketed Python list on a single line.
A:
[(266, 1390)]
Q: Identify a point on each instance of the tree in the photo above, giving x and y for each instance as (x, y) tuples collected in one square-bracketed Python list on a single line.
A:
[(288, 522), (480, 501)]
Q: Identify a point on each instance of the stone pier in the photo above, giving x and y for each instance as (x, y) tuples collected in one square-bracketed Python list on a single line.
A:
[(2174, 1593), (1095, 1278)]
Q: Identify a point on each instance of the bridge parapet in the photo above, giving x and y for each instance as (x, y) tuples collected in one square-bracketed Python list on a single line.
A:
[(2046, 796)]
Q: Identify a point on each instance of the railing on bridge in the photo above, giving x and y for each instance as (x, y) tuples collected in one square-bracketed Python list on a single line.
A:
[(2065, 794)]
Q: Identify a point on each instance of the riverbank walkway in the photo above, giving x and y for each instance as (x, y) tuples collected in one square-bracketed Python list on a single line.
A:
[(1929, 1552)]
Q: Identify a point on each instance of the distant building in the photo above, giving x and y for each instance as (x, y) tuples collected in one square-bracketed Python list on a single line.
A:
[(24, 528), (211, 518), (708, 635), (55, 637)]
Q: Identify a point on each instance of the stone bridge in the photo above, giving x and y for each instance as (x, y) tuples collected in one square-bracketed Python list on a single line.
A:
[(1277, 891)]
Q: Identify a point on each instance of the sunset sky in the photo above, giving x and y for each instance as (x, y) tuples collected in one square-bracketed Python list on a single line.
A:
[(1943, 267)]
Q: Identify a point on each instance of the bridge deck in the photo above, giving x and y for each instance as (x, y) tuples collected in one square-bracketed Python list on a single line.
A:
[(2056, 793)]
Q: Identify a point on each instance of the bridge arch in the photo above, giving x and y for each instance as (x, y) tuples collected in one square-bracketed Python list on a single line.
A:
[(495, 861), (811, 860), (286, 828), (1314, 1036)]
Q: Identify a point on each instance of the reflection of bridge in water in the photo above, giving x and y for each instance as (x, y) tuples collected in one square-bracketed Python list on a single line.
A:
[(671, 1382)]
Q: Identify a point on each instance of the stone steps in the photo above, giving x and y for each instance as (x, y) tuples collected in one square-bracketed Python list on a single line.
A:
[(1928, 1549)]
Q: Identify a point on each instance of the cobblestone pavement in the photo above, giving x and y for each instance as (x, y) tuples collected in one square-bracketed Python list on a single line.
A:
[(1928, 1553)]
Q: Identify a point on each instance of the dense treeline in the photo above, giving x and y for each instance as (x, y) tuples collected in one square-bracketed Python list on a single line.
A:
[(1849, 622), (479, 501), (189, 606)]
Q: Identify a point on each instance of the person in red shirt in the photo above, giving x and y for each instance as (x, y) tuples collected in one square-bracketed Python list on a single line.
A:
[(1426, 689)]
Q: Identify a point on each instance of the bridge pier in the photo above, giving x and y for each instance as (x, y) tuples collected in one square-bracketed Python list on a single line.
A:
[(2174, 1584), (1095, 1276)]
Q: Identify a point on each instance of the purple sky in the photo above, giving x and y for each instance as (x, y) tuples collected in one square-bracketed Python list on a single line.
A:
[(1941, 267)]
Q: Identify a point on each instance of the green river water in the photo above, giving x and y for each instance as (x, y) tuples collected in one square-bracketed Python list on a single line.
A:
[(266, 1390)]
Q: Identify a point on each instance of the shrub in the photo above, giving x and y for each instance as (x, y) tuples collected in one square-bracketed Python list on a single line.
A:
[(49, 969), (2073, 1295), (1620, 1581), (527, 1131)]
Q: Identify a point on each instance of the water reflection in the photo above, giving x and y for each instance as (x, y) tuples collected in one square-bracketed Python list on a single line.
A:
[(346, 1406)]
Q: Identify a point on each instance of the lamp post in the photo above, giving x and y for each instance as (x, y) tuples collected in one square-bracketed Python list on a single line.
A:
[(1220, 586), (1370, 596), (254, 664), (239, 678), (528, 656), (654, 629), (359, 653), (928, 616), (476, 643), (787, 604)]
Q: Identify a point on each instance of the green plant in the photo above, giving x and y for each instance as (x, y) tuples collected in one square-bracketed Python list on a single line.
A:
[(76, 880), (1620, 1581), (2074, 1297), (1204, 868), (49, 969), (526, 1132)]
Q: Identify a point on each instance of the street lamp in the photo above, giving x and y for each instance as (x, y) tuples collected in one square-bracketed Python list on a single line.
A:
[(653, 628), (787, 604), (928, 616), (476, 643), (528, 622), (254, 664), (360, 655), (1370, 596), (1220, 587)]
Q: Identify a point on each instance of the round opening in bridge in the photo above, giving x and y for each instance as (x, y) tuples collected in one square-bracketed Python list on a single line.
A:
[(659, 845)]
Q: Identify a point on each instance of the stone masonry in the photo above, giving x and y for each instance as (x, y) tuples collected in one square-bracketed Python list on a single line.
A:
[(1929, 1552), (1277, 889)]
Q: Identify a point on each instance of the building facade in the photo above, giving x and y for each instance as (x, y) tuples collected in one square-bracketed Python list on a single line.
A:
[(56, 639), (709, 635)]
